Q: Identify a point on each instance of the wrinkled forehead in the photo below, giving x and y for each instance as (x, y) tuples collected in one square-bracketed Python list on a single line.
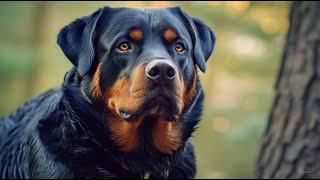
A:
[(148, 20)]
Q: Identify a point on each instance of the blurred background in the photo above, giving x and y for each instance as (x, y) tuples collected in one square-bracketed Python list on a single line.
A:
[(239, 81)]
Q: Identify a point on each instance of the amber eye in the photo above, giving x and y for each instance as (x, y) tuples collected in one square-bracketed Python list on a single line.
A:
[(124, 46), (179, 47)]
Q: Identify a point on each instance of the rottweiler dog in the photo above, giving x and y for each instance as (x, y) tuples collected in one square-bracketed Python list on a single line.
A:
[(127, 108)]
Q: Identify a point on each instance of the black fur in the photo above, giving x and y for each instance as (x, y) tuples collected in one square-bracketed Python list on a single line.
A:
[(62, 133)]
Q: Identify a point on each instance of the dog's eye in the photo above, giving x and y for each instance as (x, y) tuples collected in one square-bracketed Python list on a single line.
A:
[(124, 46), (179, 47)]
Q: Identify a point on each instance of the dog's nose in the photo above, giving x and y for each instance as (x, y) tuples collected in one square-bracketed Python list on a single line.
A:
[(161, 71)]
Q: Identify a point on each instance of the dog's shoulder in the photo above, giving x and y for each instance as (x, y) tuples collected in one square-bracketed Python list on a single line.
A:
[(36, 107), (19, 136)]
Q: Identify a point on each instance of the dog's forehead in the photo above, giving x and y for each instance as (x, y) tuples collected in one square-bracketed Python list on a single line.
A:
[(154, 19)]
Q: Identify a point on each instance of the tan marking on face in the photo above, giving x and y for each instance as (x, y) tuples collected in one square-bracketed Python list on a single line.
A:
[(95, 84), (178, 90), (119, 97), (170, 34), (136, 34), (129, 94), (189, 94), (126, 94)]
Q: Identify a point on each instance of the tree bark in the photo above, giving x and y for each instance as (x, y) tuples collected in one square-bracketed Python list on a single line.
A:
[(291, 144)]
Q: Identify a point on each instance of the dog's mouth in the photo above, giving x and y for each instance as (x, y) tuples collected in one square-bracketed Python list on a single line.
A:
[(155, 104), (157, 118)]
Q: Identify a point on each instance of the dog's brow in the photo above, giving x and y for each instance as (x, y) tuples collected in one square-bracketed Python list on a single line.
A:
[(170, 34), (136, 34)]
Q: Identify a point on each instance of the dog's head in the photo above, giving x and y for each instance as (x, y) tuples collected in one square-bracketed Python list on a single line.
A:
[(142, 65)]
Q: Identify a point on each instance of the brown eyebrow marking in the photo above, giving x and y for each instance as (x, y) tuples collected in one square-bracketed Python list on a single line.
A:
[(170, 34), (136, 34)]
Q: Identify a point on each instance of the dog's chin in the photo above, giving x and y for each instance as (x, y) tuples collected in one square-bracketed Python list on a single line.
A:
[(155, 107)]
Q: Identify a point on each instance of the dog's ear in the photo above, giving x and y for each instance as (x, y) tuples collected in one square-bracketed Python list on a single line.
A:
[(202, 37), (76, 41), (204, 42)]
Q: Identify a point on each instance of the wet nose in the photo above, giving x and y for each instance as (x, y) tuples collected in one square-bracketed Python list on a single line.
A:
[(161, 71)]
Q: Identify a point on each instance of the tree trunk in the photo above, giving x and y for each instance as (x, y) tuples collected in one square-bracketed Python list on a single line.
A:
[(291, 144)]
